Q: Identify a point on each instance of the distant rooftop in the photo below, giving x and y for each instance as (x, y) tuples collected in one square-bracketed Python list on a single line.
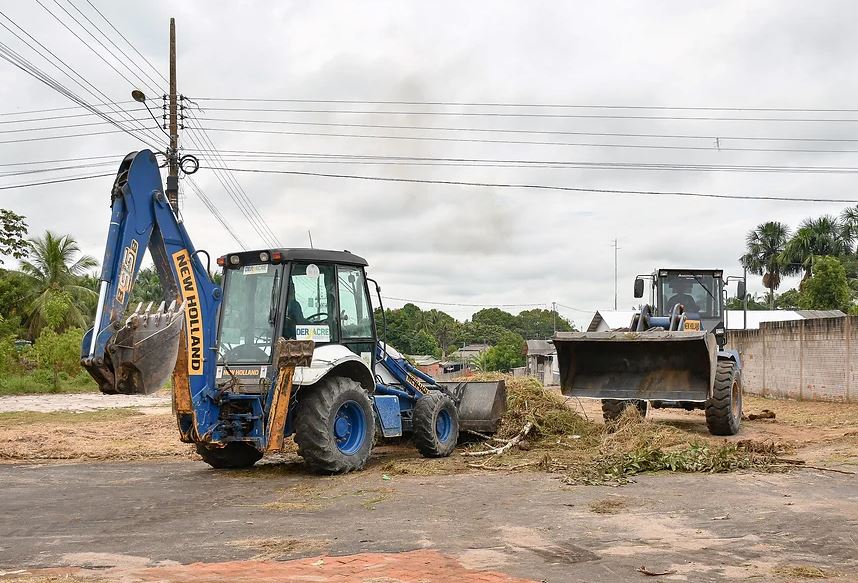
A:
[(540, 347)]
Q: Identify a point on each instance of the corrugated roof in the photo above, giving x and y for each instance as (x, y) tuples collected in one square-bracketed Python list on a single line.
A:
[(423, 359), (609, 320), (540, 347)]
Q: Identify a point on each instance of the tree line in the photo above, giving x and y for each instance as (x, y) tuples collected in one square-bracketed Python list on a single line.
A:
[(433, 332), (821, 249)]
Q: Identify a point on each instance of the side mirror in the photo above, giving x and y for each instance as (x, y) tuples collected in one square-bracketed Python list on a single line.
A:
[(639, 287), (740, 290)]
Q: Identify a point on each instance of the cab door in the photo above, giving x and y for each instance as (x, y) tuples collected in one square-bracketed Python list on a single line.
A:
[(357, 325)]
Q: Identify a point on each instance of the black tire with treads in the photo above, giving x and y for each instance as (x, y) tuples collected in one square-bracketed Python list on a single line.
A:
[(724, 407), (314, 425), (426, 438), (234, 455), (613, 408)]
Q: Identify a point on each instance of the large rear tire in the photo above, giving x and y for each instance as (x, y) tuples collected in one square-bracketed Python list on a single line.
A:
[(334, 426), (436, 425), (234, 455), (613, 408), (724, 407)]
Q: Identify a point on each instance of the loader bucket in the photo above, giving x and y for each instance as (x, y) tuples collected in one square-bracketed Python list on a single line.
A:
[(652, 365), (481, 404), (141, 356)]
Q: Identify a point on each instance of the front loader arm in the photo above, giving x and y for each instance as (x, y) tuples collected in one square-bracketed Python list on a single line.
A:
[(135, 354)]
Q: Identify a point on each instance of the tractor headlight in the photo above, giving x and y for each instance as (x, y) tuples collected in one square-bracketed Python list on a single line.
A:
[(263, 257), (233, 260)]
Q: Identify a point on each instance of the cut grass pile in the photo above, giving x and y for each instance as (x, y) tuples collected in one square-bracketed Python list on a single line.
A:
[(585, 452)]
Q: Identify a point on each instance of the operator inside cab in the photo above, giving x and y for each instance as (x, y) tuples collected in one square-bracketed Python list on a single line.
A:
[(681, 288)]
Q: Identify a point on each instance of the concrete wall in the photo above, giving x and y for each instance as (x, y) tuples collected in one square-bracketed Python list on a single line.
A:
[(814, 359)]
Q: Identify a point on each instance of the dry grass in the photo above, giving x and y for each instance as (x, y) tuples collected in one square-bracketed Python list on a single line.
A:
[(110, 435), (802, 571), (608, 506), (278, 549), (586, 452)]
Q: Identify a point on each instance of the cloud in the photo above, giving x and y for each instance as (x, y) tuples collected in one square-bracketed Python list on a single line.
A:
[(470, 244)]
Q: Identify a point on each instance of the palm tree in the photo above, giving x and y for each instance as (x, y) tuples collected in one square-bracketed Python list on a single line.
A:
[(825, 235), (56, 266), (849, 220), (764, 256)]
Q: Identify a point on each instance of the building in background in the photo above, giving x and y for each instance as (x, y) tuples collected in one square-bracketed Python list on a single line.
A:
[(542, 361), (427, 363), (604, 320)]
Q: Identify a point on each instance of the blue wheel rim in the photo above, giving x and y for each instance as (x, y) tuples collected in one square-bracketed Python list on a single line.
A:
[(349, 427), (443, 426)]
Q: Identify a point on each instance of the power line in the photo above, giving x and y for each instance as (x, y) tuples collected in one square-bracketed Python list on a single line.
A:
[(532, 105), (529, 115), (232, 187), (548, 187), (54, 109), (153, 86), (573, 309), (712, 148), (530, 131), (537, 164), (157, 71), (57, 180), (212, 208), (84, 135), (20, 62)]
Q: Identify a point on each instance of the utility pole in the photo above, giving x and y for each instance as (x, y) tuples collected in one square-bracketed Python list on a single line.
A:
[(554, 314), (173, 174), (616, 248)]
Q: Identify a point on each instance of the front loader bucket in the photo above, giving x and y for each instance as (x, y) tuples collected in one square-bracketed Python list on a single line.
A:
[(481, 404), (654, 365), (141, 356)]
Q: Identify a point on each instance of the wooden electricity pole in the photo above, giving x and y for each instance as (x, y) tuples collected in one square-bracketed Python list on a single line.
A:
[(173, 174)]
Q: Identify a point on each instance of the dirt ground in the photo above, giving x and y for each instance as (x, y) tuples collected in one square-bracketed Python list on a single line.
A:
[(112, 495)]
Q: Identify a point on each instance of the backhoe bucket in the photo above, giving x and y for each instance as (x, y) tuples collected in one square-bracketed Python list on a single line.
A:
[(481, 404), (653, 365), (140, 356)]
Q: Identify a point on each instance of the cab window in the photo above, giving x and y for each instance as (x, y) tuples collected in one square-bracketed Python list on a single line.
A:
[(355, 314), (311, 304)]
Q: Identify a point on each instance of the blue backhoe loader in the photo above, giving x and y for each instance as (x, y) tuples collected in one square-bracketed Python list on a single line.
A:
[(286, 347)]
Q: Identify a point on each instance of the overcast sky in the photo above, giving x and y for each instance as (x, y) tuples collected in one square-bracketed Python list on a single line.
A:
[(460, 244)]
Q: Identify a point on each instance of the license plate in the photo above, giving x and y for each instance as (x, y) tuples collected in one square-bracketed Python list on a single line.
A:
[(692, 325)]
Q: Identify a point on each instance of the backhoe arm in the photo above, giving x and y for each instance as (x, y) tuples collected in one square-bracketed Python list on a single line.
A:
[(134, 354)]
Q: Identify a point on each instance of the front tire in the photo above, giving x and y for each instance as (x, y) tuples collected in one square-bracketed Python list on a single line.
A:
[(234, 455), (436, 425), (724, 407), (334, 426), (612, 409)]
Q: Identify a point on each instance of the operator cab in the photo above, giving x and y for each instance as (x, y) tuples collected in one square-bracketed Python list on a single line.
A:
[(299, 294)]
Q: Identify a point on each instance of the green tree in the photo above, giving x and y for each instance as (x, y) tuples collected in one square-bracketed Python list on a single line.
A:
[(56, 265), (825, 235), (754, 303), (827, 288), (764, 254), (788, 300), (59, 352), (540, 323), (506, 354), (147, 288), (494, 317), (15, 287), (13, 235)]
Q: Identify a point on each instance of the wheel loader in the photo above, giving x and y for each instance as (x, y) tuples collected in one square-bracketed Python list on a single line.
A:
[(672, 354), (286, 347)]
